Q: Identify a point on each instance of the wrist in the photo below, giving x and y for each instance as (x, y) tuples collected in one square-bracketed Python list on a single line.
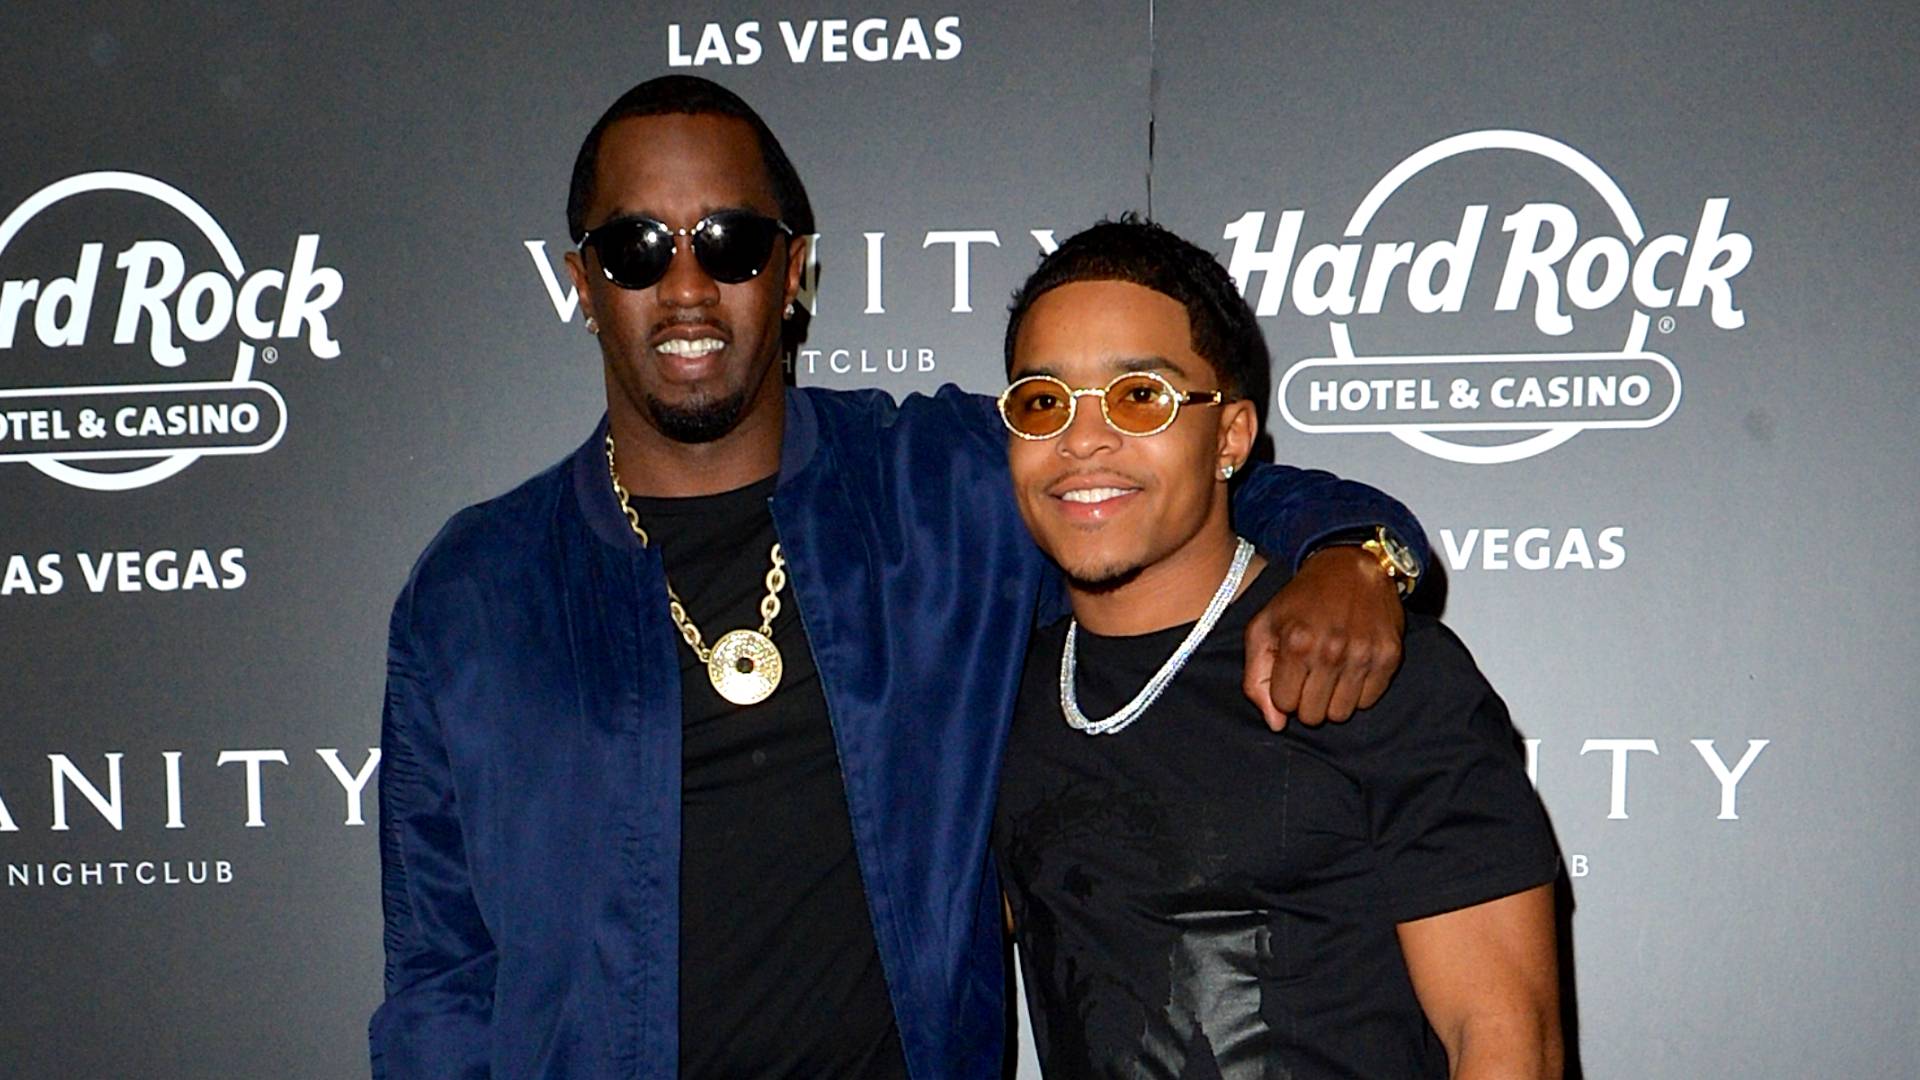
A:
[(1376, 547)]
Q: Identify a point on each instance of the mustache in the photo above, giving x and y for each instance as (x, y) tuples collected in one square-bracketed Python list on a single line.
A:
[(690, 319), (1119, 475)]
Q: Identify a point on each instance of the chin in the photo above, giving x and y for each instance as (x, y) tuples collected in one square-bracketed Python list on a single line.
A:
[(698, 418), (1100, 572)]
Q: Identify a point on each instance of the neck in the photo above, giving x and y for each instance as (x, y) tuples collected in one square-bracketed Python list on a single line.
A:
[(1170, 592), (651, 464)]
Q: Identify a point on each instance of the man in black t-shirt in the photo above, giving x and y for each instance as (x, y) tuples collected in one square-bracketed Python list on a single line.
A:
[(1195, 895)]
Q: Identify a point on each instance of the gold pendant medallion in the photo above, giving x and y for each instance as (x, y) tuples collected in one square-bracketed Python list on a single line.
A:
[(744, 667)]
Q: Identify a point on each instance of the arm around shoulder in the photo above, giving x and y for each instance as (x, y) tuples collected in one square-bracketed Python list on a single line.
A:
[(1290, 512), (440, 959)]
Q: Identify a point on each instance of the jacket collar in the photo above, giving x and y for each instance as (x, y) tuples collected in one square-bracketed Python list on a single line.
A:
[(594, 495)]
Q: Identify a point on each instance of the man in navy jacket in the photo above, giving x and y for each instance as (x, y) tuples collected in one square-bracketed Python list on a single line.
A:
[(595, 860)]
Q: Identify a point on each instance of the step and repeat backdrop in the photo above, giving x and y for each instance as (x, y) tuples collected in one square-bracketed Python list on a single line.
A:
[(1622, 302)]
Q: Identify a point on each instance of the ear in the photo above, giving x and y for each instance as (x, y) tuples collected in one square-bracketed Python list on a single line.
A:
[(1239, 424), (577, 270), (797, 248)]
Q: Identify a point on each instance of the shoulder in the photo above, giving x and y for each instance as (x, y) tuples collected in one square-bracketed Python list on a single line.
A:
[(490, 539), (1438, 707), (1437, 672), (1047, 643), (1455, 815), (948, 413)]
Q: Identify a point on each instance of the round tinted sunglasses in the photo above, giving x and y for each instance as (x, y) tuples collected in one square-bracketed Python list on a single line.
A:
[(1137, 403), (732, 246)]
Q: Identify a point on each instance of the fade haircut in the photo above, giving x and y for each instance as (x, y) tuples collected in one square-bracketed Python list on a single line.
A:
[(688, 95), (1222, 328)]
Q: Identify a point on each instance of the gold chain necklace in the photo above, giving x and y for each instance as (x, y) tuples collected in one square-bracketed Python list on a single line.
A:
[(744, 665)]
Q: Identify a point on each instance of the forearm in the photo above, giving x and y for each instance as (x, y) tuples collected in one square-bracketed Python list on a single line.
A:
[(1487, 977), (1291, 512), (441, 1030), (1524, 1044), (441, 962)]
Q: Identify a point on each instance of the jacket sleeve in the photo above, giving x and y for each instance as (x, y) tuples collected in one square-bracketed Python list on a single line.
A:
[(980, 429), (440, 959), (1289, 512)]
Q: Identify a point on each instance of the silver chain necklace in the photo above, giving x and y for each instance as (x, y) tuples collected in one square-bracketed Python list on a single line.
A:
[(1070, 698)]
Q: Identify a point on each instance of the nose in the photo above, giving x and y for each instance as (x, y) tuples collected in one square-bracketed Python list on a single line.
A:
[(1089, 433), (686, 283)]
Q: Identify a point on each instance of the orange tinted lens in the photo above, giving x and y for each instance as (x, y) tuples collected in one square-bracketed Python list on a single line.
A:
[(1038, 406), (1139, 404)]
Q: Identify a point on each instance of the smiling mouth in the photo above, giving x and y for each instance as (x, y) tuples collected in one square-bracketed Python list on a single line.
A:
[(1094, 495), (690, 348)]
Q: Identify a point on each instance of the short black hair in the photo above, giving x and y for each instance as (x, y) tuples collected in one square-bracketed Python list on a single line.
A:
[(1223, 329), (692, 96)]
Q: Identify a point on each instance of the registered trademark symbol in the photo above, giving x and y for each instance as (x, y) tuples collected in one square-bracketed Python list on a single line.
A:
[(1666, 325), (271, 354)]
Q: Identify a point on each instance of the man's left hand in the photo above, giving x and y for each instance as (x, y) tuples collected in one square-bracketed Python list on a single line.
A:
[(1328, 643)]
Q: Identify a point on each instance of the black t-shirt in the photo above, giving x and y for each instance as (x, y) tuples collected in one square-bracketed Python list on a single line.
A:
[(779, 974), (1197, 896)]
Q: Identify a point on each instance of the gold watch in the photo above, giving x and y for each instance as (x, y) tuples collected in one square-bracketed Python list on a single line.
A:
[(1396, 559)]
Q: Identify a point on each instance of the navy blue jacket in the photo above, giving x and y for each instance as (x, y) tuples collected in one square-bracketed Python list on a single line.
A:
[(530, 768)]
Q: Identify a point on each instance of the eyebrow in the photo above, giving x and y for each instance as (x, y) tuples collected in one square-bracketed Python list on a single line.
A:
[(1119, 365), (1146, 363), (622, 213)]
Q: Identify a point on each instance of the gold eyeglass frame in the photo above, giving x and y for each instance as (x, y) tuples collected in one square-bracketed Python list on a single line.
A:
[(1073, 395)]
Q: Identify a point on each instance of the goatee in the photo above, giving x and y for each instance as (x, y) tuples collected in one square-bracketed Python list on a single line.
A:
[(1103, 579), (698, 421)]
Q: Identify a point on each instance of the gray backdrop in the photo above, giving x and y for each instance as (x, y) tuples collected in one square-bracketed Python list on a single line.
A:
[(349, 221)]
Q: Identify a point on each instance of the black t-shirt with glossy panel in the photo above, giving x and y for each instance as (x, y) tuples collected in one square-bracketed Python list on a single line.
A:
[(779, 972), (1198, 896)]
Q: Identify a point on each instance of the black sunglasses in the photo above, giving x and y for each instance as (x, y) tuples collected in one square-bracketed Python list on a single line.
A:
[(732, 246)]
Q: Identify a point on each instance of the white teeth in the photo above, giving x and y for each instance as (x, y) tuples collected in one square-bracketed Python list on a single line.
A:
[(1094, 495), (694, 347)]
